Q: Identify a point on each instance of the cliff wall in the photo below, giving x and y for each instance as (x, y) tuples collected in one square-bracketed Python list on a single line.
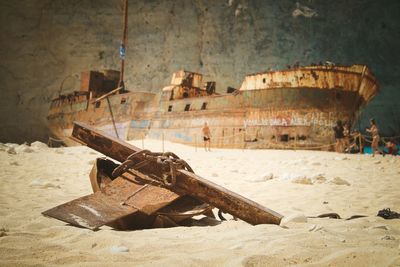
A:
[(46, 43)]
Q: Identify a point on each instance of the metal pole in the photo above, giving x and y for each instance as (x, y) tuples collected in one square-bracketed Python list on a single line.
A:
[(142, 141), (195, 142), (163, 142), (123, 44), (112, 117), (244, 141)]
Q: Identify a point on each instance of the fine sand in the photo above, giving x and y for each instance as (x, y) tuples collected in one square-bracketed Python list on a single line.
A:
[(296, 184)]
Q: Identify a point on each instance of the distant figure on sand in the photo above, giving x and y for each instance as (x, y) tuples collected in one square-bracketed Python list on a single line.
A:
[(338, 130), (375, 137), (206, 136), (346, 136), (354, 143), (392, 147)]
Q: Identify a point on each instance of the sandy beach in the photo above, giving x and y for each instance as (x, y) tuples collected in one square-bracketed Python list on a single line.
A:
[(297, 184)]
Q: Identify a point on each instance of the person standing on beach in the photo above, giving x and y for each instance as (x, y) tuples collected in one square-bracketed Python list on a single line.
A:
[(206, 136), (338, 130), (375, 137), (346, 136)]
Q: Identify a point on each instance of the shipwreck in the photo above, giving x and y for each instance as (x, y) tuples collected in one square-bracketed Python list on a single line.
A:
[(274, 109)]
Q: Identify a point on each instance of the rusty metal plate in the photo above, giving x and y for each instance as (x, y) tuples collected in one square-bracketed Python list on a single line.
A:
[(91, 211), (140, 194), (122, 197)]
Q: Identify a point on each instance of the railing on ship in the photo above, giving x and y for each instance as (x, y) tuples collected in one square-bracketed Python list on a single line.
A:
[(229, 142)]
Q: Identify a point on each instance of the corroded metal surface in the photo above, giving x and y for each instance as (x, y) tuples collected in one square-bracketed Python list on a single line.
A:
[(356, 78), (91, 211), (294, 108), (122, 197)]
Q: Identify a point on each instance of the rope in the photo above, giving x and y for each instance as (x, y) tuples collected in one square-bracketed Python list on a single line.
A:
[(302, 146), (368, 139), (112, 117), (168, 162), (297, 146), (229, 136), (51, 141), (283, 145)]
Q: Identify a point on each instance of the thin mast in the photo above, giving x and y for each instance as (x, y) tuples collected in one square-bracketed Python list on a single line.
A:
[(123, 45)]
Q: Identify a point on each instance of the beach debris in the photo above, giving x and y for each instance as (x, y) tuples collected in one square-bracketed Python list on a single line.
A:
[(43, 184), (267, 177), (302, 180), (388, 237), (381, 227), (294, 218), (3, 232), (119, 249), (59, 151), (315, 228), (39, 145), (334, 215), (341, 158), (24, 148), (264, 178), (339, 181), (148, 190), (3, 147), (318, 178), (388, 214), (11, 151)]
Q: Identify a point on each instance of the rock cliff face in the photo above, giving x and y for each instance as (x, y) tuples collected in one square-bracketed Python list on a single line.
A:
[(46, 43)]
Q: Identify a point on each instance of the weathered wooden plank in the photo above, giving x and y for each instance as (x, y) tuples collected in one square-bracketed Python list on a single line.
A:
[(101, 142), (187, 182)]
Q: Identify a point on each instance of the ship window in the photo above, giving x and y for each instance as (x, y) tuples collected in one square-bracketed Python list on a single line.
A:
[(263, 80), (301, 137), (98, 103), (204, 106), (187, 107), (185, 95), (169, 108), (284, 137), (123, 100)]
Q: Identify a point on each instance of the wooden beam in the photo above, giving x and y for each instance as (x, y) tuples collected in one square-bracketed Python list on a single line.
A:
[(108, 94)]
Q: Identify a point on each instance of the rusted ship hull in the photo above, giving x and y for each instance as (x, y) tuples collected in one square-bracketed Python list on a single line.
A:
[(287, 109), (281, 109), (112, 114)]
